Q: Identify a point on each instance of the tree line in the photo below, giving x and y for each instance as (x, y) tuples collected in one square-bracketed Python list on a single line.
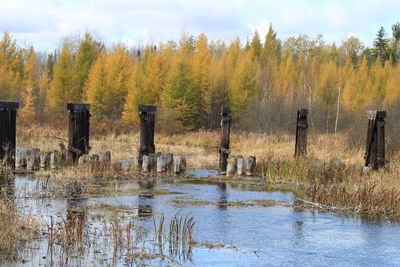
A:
[(263, 81)]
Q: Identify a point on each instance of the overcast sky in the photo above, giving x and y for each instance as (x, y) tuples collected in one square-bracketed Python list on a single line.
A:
[(43, 23)]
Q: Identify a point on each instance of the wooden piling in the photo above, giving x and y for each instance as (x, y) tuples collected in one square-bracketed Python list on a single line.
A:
[(225, 131), (301, 133), (375, 147), (78, 130), (8, 115), (147, 114)]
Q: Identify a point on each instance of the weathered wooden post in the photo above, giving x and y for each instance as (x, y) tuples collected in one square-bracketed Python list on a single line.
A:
[(78, 133), (8, 139), (301, 133), (147, 114), (375, 149), (225, 131)]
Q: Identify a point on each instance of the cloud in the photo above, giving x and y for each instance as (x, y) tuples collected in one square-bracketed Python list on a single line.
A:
[(45, 22), (261, 27)]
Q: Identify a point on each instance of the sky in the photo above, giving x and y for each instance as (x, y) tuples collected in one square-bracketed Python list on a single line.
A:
[(45, 23)]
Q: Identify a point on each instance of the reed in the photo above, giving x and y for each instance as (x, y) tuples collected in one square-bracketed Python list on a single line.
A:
[(179, 236), (334, 186), (15, 229)]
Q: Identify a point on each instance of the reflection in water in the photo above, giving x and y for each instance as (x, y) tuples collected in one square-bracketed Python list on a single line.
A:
[(6, 187), (145, 208), (298, 233), (223, 196), (74, 227), (297, 225)]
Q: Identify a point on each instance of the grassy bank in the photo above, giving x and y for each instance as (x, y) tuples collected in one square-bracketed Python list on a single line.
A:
[(333, 186)]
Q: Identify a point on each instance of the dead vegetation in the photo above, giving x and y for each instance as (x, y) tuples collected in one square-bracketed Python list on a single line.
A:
[(15, 229), (334, 186)]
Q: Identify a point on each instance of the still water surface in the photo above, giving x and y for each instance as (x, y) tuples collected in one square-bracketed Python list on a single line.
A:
[(244, 235)]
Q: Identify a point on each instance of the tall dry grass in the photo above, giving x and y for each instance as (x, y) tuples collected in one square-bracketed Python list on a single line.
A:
[(15, 229), (334, 186), (203, 145)]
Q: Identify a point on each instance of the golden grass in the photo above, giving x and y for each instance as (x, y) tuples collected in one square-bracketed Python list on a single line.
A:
[(14, 229), (202, 145)]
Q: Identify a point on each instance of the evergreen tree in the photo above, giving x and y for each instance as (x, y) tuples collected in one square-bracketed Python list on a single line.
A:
[(396, 31), (256, 47), (381, 45), (272, 50), (51, 61), (87, 55), (182, 94), (395, 45)]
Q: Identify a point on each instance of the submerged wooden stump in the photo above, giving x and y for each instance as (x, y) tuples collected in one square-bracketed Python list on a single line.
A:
[(78, 130), (375, 148), (147, 114), (224, 147), (8, 115)]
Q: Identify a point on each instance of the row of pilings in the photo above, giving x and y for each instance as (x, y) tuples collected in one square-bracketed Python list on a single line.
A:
[(79, 123), (374, 152)]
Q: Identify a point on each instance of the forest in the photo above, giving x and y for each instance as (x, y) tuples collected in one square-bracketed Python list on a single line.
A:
[(264, 80)]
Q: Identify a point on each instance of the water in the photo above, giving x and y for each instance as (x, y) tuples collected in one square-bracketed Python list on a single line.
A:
[(231, 227), (202, 173)]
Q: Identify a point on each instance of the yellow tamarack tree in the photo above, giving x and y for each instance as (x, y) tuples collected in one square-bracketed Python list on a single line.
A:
[(192, 78), (201, 70), (11, 69), (242, 84), (62, 87), (29, 97), (44, 87), (108, 83), (328, 91), (133, 98)]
